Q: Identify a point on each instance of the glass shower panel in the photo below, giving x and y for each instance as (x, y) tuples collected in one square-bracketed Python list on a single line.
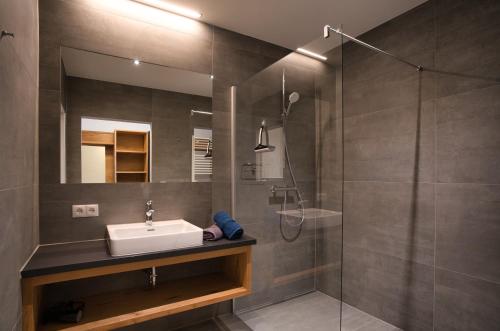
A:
[(388, 225), (288, 189)]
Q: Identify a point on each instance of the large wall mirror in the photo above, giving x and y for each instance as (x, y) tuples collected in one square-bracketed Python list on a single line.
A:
[(123, 120)]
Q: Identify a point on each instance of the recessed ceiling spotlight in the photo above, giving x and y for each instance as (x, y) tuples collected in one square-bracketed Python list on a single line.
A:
[(311, 54), (137, 62), (211, 76), (170, 7)]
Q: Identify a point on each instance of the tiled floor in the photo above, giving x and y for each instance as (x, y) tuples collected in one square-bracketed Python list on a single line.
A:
[(314, 311)]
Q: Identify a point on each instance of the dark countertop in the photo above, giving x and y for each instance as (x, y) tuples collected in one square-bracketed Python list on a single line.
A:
[(50, 259)]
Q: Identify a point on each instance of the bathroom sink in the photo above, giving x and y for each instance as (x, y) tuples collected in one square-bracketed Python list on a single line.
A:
[(137, 238)]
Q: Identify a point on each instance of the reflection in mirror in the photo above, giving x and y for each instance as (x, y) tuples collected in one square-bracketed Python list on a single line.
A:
[(123, 120)]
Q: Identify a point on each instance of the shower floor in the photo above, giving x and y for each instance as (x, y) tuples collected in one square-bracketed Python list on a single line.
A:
[(314, 311)]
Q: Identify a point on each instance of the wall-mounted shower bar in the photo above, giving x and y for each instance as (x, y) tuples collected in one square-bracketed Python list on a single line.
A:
[(326, 34)]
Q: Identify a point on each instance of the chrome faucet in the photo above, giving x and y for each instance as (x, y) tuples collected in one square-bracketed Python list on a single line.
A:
[(149, 212)]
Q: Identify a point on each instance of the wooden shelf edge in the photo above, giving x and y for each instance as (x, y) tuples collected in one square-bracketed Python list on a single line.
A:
[(130, 151), (131, 172), (125, 132), (160, 311), (93, 143)]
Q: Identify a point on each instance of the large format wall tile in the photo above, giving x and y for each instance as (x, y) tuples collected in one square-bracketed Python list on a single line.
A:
[(172, 133), (18, 102), (328, 264), (21, 18), (17, 240), (394, 219), (398, 85), (395, 290), (18, 150), (394, 144), (467, 56), (464, 303), (468, 139), (468, 229), (49, 139), (393, 36)]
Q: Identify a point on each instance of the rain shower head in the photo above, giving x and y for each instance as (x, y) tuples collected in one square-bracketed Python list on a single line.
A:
[(261, 147)]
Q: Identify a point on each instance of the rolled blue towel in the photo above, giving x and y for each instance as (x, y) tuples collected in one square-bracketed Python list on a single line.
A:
[(231, 229)]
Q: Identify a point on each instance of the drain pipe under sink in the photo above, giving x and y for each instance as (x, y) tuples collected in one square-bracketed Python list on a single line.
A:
[(152, 277)]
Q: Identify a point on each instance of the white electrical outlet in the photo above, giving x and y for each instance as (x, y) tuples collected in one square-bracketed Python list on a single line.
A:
[(79, 211), (92, 210)]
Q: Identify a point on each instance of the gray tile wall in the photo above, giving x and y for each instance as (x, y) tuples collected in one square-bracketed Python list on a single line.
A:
[(421, 218), (100, 27), (172, 131), (18, 147)]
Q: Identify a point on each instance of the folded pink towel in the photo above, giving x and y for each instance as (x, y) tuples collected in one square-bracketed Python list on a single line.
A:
[(212, 233)]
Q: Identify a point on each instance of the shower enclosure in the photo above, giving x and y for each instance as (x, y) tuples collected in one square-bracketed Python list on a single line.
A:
[(292, 136), (287, 189), (392, 147)]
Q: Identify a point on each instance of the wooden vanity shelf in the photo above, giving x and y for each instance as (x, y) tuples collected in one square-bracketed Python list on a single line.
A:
[(126, 307)]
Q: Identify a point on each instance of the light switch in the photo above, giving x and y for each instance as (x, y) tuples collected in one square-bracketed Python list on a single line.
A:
[(79, 211), (92, 210)]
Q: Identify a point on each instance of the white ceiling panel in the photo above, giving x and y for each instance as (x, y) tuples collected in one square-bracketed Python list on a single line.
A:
[(294, 23)]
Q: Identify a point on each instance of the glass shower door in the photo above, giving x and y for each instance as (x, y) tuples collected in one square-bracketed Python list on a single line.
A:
[(288, 190)]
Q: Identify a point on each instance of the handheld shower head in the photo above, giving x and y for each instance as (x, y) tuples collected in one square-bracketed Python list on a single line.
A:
[(292, 98)]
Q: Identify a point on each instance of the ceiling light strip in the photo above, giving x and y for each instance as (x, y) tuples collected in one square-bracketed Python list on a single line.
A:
[(311, 54), (170, 8)]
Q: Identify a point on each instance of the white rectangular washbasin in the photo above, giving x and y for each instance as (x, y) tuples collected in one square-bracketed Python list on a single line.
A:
[(137, 238)]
